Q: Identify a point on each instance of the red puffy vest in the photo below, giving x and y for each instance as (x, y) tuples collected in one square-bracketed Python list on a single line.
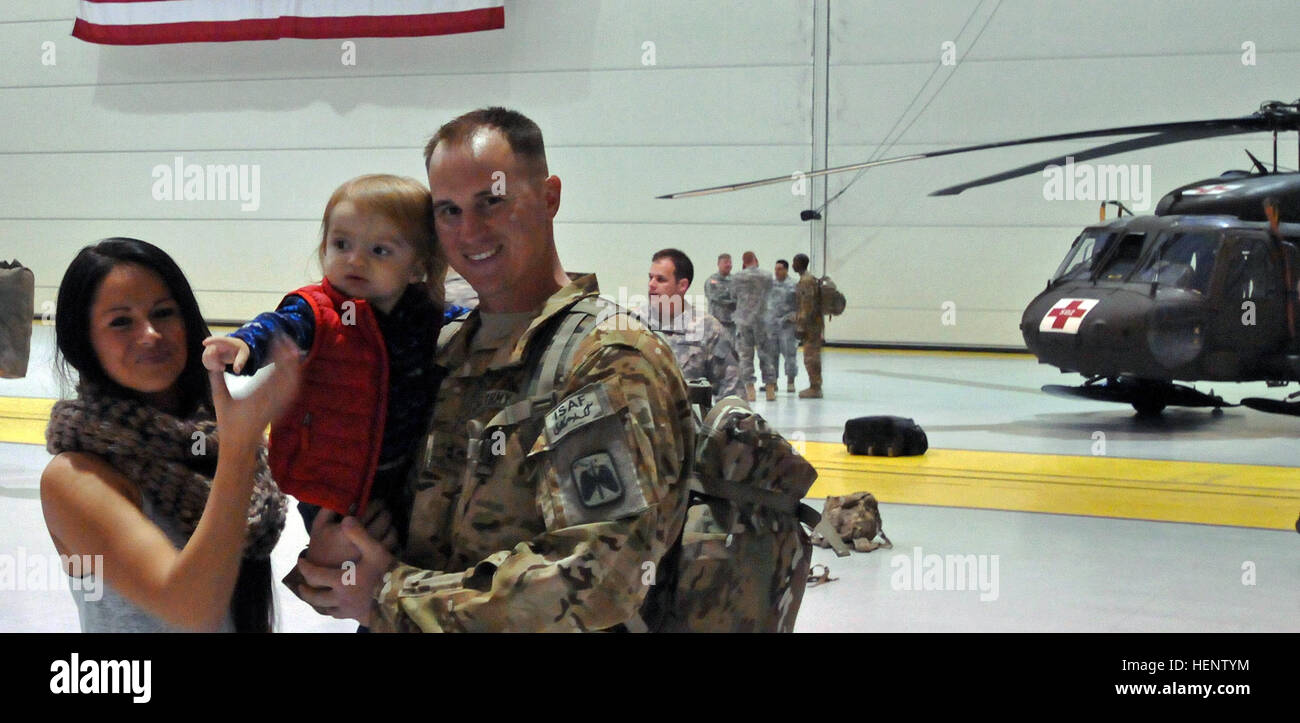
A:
[(324, 450)]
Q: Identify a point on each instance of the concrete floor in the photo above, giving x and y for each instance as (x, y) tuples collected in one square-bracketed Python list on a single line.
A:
[(951, 568)]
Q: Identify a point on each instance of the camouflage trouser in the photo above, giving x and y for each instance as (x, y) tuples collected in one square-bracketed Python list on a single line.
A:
[(812, 356), (749, 339), (781, 343)]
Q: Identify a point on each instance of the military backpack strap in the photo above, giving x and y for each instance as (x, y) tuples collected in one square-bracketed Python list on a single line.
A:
[(557, 359), (547, 362)]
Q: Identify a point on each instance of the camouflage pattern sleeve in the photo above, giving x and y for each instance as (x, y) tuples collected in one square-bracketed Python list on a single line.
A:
[(608, 469), (724, 365), (717, 291), (805, 312)]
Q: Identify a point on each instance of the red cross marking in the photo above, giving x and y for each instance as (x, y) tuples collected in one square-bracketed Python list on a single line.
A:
[(1065, 313), (1209, 190)]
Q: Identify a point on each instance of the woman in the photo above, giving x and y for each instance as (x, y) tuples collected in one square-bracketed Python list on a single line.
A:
[(185, 533)]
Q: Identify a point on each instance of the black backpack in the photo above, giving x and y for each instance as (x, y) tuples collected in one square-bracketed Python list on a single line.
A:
[(885, 436)]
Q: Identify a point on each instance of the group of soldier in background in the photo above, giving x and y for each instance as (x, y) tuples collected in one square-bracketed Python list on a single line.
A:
[(751, 311)]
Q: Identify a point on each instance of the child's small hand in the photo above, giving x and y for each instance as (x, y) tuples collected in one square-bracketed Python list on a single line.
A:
[(218, 351)]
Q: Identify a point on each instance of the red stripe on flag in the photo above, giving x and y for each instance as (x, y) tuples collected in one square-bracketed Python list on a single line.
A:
[(358, 26)]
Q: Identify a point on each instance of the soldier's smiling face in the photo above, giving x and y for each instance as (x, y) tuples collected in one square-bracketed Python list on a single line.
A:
[(666, 290), (781, 271), (493, 212)]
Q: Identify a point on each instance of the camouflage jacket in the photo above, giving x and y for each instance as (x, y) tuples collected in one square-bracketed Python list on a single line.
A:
[(750, 287), (721, 303), (703, 349), (780, 310), (548, 522), (808, 319)]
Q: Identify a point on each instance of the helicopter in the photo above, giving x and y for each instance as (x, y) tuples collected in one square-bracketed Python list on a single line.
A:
[(1203, 290)]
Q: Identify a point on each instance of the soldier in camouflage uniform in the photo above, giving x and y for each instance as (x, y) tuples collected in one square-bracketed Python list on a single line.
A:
[(810, 326), (722, 305), (779, 319), (750, 286), (525, 515), (700, 343)]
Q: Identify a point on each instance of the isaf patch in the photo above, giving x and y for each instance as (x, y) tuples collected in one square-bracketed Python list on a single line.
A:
[(585, 406)]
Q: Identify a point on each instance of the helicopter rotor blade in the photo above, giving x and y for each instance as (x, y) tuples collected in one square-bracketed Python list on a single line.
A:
[(1152, 141), (792, 177), (1165, 132)]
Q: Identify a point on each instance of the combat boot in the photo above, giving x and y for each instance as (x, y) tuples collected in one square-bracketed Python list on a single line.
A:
[(770, 387), (811, 393), (750, 394)]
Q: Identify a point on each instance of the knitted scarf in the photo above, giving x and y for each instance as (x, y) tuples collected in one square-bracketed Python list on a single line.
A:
[(158, 452)]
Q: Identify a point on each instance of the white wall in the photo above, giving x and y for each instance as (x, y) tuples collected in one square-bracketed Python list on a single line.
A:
[(730, 97), (1039, 68)]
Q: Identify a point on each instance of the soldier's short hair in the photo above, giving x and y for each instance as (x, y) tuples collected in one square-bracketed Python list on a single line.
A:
[(724, 256), (750, 258), (800, 263), (783, 262), (521, 132), (682, 266)]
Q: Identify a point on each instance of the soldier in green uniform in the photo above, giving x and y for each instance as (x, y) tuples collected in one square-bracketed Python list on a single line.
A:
[(809, 326), (526, 514), (717, 289), (749, 287), (699, 341), (778, 319)]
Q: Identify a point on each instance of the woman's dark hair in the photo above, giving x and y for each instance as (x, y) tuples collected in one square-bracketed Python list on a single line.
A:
[(72, 316), (251, 605)]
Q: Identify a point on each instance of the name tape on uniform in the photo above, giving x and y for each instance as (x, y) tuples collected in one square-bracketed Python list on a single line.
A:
[(577, 411)]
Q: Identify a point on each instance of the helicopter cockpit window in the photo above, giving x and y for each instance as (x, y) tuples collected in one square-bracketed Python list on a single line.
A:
[(1125, 257), (1184, 261), (1078, 263), (1252, 274)]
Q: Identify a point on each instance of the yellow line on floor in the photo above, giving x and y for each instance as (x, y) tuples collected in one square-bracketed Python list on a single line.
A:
[(1198, 492), (23, 419)]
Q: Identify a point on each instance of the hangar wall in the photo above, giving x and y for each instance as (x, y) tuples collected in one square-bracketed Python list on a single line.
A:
[(639, 99)]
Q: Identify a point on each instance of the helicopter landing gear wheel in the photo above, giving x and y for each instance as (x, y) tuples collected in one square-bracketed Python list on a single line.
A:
[(1149, 407), (1150, 398)]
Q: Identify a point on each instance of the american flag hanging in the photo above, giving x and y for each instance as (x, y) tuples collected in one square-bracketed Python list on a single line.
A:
[(150, 22)]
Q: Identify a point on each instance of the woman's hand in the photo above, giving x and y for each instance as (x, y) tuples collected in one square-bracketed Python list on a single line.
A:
[(242, 421)]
